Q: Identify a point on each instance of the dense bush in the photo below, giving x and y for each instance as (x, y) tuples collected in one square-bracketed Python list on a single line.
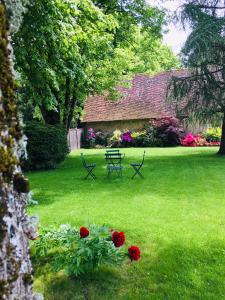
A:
[(166, 132), (213, 134), (197, 140), (101, 138), (116, 139), (47, 145), (80, 251), (143, 138)]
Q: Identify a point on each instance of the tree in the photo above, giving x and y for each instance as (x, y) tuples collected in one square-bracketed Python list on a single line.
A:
[(201, 93), (151, 56), (132, 13), (66, 51), (15, 270)]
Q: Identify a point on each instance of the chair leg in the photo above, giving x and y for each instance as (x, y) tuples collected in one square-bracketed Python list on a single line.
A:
[(90, 173), (137, 172), (109, 172)]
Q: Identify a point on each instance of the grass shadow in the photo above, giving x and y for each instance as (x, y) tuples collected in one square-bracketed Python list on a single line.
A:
[(176, 271)]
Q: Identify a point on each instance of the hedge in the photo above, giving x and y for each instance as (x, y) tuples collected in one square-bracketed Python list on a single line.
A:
[(47, 145)]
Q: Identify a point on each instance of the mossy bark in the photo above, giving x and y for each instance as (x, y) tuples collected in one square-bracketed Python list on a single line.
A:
[(15, 266)]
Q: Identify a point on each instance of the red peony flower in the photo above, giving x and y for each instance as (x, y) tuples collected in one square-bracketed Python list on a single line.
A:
[(118, 238), (134, 253), (84, 232)]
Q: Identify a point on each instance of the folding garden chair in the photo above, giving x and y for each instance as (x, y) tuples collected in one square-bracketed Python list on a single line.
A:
[(89, 167), (113, 151), (137, 167)]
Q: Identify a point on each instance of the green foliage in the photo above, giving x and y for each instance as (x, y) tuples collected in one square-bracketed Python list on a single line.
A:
[(143, 138), (151, 56), (47, 145), (213, 134), (74, 254), (201, 94), (68, 50), (101, 138)]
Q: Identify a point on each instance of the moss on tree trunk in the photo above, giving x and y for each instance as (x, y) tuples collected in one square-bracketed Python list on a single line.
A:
[(15, 266)]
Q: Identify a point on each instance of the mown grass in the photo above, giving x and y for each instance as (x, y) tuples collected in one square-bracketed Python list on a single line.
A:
[(176, 214)]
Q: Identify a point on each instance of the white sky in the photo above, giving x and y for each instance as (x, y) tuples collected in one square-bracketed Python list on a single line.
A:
[(176, 36)]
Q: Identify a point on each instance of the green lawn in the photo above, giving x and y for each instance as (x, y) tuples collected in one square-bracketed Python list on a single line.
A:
[(176, 215)]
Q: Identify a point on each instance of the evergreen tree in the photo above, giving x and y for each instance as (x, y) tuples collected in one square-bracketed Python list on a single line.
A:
[(201, 94)]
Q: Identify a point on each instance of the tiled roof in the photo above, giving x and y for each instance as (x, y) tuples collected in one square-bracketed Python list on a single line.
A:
[(144, 99)]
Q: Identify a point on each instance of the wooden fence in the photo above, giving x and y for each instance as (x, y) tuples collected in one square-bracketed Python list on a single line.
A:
[(74, 138)]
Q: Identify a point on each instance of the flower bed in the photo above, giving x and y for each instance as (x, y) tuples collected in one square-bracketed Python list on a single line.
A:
[(191, 140), (164, 132), (80, 251)]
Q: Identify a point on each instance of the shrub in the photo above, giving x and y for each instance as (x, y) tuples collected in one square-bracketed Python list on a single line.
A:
[(90, 138), (101, 138), (115, 140), (166, 132), (191, 140), (143, 138), (80, 251), (47, 145), (213, 134), (126, 139)]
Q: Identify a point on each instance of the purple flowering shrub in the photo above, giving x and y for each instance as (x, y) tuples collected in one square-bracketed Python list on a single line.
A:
[(126, 137), (167, 131)]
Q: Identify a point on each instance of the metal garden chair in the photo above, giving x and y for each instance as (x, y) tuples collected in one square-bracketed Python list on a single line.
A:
[(137, 167), (112, 151), (89, 167), (114, 160)]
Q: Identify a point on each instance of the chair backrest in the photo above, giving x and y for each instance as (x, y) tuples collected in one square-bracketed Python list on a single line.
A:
[(113, 151), (83, 160), (143, 159)]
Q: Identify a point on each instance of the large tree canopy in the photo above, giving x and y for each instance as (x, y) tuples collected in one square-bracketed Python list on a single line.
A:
[(202, 93), (67, 50)]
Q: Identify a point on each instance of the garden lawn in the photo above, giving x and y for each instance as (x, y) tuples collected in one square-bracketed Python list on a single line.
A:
[(176, 215)]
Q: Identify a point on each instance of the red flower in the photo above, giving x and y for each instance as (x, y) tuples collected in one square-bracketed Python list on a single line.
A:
[(134, 253), (84, 232), (118, 238)]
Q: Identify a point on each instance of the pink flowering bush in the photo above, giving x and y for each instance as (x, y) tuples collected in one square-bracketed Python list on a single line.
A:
[(189, 140), (197, 140), (91, 134), (90, 138)]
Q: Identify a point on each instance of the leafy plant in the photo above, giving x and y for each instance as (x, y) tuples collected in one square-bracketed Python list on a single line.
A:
[(47, 145), (78, 251), (101, 138), (126, 138), (167, 131), (115, 140), (213, 134), (142, 138), (191, 140)]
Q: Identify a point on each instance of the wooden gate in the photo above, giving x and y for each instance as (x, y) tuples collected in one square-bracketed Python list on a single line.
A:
[(74, 138)]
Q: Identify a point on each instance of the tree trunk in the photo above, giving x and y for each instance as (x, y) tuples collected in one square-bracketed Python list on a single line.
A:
[(66, 102), (15, 265), (222, 144), (71, 111), (51, 117)]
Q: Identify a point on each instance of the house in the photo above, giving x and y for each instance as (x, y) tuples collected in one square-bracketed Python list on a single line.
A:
[(143, 100)]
